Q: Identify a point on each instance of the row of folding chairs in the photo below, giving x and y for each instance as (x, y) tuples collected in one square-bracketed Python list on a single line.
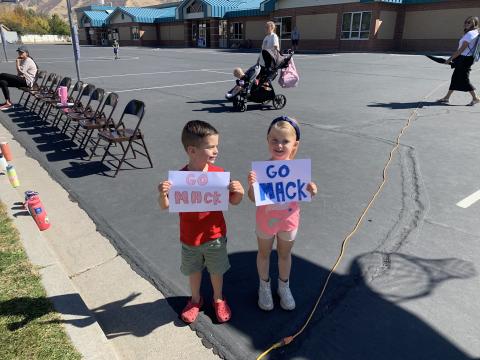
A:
[(88, 116)]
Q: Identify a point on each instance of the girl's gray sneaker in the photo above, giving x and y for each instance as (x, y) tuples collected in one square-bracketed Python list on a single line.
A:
[(265, 300), (287, 302)]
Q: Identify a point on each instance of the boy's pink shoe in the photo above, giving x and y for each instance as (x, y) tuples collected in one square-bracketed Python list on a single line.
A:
[(222, 310), (191, 310)]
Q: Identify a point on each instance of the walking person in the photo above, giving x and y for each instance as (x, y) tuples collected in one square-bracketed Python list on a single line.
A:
[(295, 38), (115, 46), (26, 72), (462, 61), (270, 42)]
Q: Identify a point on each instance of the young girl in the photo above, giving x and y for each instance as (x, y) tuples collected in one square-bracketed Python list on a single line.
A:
[(278, 221)]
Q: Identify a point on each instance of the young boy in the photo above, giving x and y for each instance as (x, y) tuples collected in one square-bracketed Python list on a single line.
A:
[(203, 234), (115, 46)]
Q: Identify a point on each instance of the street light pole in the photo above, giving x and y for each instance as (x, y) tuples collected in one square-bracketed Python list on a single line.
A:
[(75, 43)]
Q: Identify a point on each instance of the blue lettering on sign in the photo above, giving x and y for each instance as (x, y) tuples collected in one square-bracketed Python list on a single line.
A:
[(283, 171), (300, 186), (280, 192), (288, 187), (38, 210), (266, 191)]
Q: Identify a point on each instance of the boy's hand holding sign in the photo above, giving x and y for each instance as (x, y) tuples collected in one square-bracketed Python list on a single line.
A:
[(198, 191)]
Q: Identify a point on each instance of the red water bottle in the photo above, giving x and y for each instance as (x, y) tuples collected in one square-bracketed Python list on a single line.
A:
[(36, 209)]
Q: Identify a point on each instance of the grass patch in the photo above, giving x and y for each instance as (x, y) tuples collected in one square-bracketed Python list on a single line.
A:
[(29, 326)]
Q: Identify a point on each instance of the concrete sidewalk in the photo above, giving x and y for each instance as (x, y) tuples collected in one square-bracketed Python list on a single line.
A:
[(108, 310)]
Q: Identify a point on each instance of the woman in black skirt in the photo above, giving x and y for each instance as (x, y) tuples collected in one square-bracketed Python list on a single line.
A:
[(463, 60)]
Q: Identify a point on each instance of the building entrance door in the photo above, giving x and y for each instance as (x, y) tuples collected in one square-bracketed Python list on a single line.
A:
[(202, 34), (223, 34)]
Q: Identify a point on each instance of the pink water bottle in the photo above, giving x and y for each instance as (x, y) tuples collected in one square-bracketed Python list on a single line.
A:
[(63, 95), (37, 210)]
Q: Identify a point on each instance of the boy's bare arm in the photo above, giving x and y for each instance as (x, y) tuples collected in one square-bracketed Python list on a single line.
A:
[(163, 189), (236, 192)]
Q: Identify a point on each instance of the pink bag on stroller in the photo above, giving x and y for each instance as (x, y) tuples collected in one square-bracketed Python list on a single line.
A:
[(289, 76)]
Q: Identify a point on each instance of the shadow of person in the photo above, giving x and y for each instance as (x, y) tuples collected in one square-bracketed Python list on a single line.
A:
[(79, 169), (354, 319), (361, 317), (27, 308), (116, 319), (120, 318), (409, 105)]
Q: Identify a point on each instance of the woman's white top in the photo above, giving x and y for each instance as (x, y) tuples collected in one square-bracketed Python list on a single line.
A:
[(469, 37), (28, 70), (270, 41)]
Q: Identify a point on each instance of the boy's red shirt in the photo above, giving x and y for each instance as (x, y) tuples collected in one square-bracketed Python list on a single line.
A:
[(197, 228)]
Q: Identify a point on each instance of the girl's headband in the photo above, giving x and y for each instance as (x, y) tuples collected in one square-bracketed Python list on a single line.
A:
[(288, 120)]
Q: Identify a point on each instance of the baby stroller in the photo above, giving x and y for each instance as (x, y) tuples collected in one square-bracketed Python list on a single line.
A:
[(258, 87)]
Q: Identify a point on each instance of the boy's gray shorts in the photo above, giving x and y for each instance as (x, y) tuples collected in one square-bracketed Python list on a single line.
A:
[(212, 254)]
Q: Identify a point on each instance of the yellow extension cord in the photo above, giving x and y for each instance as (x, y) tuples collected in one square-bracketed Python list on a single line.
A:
[(287, 340)]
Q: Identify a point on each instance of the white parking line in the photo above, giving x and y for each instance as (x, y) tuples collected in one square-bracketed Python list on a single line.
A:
[(469, 200), (172, 86), (158, 72), (87, 60)]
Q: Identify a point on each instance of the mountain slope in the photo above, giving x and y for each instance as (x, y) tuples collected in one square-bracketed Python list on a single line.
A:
[(60, 6)]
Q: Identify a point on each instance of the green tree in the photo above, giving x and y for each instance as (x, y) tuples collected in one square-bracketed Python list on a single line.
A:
[(58, 26)]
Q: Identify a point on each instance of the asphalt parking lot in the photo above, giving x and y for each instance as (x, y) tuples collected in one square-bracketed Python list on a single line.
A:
[(407, 285)]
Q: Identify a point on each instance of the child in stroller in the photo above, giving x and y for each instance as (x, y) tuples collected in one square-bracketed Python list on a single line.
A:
[(256, 84), (243, 77)]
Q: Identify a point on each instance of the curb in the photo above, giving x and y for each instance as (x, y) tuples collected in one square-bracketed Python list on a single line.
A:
[(88, 338)]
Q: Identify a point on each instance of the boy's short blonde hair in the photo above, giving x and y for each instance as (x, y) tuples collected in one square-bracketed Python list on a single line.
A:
[(238, 72), (195, 131)]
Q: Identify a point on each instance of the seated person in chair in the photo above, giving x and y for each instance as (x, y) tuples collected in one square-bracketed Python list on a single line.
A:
[(26, 71)]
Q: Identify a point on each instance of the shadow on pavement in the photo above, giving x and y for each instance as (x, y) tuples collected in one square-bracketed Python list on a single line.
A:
[(359, 318), (410, 105)]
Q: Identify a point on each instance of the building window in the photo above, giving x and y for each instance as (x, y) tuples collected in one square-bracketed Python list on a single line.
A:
[(195, 7), (356, 25), (283, 27), (236, 31), (123, 16), (135, 33)]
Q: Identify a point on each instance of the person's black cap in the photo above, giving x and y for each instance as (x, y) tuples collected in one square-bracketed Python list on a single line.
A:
[(23, 49)]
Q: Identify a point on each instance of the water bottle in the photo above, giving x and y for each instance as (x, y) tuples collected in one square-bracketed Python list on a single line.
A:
[(36, 209), (3, 163), (12, 176), (6, 151)]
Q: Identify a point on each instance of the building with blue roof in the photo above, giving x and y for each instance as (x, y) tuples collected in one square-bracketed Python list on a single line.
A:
[(330, 25)]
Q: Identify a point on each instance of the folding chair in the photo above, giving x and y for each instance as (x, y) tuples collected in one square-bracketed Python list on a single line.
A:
[(40, 79), (72, 98), (133, 112), (52, 99), (102, 121), (90, 110), (47, 85), (78, 105)]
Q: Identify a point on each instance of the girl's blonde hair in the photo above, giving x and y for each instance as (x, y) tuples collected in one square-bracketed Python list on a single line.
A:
[(286, 123)]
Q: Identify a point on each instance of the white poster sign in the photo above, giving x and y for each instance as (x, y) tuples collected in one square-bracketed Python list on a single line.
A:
[(282, 181), (197, 191)]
